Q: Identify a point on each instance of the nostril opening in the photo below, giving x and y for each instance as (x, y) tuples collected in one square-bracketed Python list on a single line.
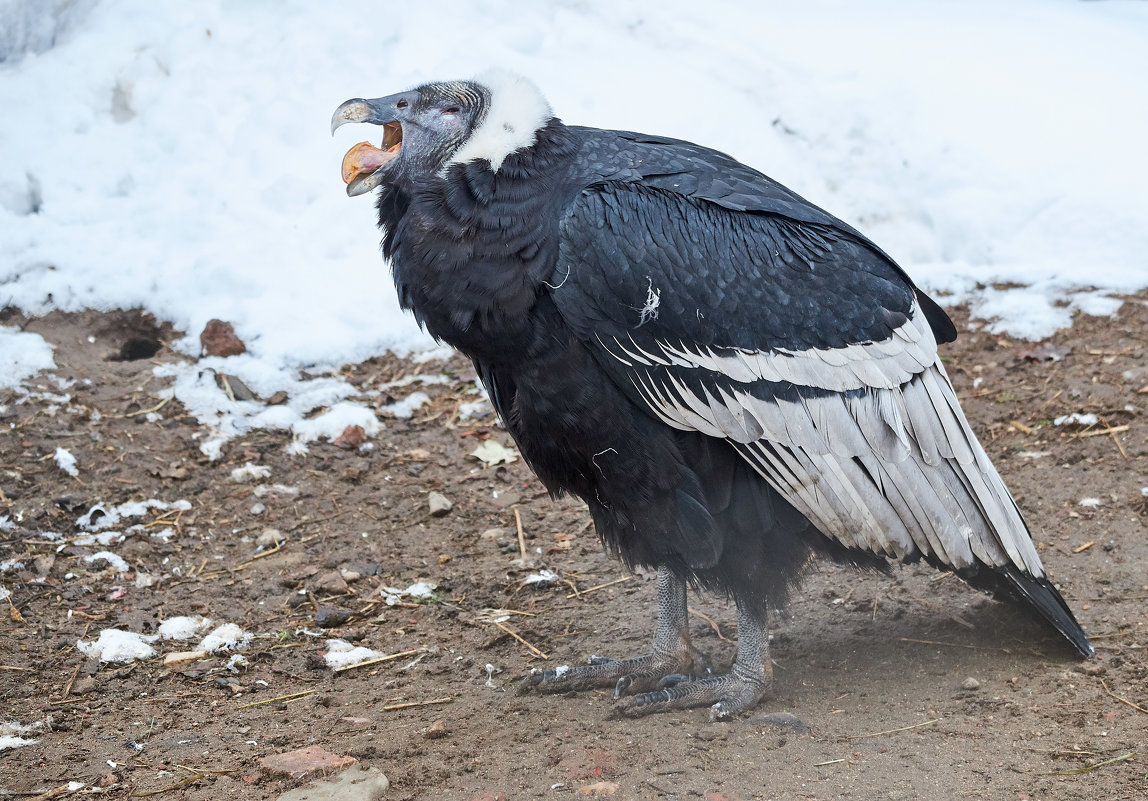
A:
[(401, 104)]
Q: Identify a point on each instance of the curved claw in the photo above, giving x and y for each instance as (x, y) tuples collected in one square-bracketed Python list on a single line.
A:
[(622, 685)]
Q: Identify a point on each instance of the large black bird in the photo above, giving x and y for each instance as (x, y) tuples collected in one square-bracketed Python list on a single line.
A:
[(734, 380)]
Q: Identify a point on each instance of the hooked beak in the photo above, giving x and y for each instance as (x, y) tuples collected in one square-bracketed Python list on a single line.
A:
[(363, 164)]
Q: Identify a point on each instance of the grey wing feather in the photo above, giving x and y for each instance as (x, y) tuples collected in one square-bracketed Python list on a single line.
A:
[(886, 463)]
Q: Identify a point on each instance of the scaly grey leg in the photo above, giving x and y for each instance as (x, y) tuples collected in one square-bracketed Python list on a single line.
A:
[(749, 680), (672, 653)]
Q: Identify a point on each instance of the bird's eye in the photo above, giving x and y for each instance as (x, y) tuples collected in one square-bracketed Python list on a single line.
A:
[(452, 110), (401, 104)]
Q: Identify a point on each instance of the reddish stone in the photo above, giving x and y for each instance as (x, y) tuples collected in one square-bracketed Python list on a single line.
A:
[(351, 438), (219, 339), (300, 763), (587, 763)]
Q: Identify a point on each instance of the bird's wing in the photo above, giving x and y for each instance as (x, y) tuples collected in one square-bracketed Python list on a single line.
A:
[(805, 349)]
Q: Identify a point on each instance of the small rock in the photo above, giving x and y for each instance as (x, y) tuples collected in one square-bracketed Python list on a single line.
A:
[(83, 685), (278, 399), (363, 569), (219, 339), (970, 684), (351, 438), (416, 455), (258, 509), (270, 538), (1093, 669), (238, 390), (349, 575), (108, 779), (494, 534), (782, 720), (598, 789), (440, 506), (437, 731), (299, 763), (331, 582), (354, 784), (328, 617)]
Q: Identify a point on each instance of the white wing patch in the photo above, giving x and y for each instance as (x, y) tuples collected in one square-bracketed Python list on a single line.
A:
[(886, 364), (516, 113), (892, 467)]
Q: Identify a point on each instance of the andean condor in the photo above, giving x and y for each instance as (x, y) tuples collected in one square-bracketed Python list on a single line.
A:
[(732, 379)]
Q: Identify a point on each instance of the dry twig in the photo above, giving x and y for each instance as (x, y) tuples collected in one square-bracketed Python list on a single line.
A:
[(1094, 766), (521, 536), (894, 731), (1122, 699), (290, 697), (599, 587), (711, 621), (513, 634), (377, 660), (392, 707)]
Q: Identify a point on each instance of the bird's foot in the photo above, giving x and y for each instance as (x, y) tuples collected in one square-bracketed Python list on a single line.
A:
[(624, 675), (727, 696)]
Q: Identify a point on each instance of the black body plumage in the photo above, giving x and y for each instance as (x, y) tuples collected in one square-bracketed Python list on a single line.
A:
[(720, 369)]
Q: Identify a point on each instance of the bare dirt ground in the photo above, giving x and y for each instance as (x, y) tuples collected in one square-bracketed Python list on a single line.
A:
[(911, 687)]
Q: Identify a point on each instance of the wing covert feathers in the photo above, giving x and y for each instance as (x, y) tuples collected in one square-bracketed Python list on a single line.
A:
[(867, 441)]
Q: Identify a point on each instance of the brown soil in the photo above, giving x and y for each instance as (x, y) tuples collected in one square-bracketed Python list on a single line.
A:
[(877, 667)]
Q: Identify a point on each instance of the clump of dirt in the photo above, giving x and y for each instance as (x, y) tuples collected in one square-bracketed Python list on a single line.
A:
[(909, 686)]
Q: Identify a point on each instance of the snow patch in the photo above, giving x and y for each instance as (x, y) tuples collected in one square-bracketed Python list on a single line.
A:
[(250, 472), (10, 731), (25, 353), (101, 516), (224, 418), (112, 559), (341, 653), (406, 407), (228, 637), (115, 645), (1076, 418), (184, 627)]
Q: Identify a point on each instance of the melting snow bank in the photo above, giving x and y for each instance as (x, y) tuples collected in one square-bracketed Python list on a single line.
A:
[(226, 417), (968, 176)]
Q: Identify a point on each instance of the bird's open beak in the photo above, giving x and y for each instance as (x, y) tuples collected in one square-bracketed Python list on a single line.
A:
[(363, 164)]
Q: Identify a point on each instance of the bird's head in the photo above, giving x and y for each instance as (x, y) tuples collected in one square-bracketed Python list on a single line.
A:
[(431, 127)]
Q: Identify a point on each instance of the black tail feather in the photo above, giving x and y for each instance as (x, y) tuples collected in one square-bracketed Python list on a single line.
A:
[(1044, 598)]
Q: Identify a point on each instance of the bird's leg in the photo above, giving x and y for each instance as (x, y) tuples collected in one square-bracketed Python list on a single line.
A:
[(671, 655), (748, 681)]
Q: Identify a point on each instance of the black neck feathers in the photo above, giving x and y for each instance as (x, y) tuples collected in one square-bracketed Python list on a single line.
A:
[(470, 247)]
